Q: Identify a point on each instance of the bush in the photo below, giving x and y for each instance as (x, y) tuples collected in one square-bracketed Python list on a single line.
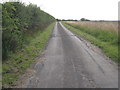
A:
[(19, 21)]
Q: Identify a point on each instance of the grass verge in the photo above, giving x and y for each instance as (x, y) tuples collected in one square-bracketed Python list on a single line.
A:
[(20, 61), (105, 40)]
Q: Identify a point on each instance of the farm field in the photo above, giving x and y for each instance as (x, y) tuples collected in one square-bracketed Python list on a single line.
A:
[(106, 25), (103, 34)]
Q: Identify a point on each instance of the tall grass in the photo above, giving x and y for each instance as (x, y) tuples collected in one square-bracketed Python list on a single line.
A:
[(105, 25), (105, 39), (100, 33)]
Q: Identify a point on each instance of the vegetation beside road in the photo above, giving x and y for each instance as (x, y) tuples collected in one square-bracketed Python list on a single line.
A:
[(104, 39), (18, 22), (25, 32), (18, 62)]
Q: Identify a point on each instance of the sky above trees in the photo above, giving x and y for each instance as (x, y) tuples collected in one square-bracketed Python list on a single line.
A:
[(77, 9)]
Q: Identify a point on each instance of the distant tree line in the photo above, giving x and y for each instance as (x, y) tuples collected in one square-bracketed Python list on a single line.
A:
[(66, 20), (82, 19), (18, 21)]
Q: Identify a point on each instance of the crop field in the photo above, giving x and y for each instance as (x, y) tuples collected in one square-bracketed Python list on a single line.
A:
[(103, 34), (106, 25)]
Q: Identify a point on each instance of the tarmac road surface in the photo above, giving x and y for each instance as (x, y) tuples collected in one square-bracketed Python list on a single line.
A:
[(70, 63)]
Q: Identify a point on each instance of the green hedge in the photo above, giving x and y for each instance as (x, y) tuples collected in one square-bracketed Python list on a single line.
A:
[(20, 21)]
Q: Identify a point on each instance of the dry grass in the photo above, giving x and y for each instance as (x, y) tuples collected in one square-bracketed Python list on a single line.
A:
[(105, 25)]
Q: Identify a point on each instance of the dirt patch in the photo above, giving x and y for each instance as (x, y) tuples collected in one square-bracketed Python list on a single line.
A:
[(29, 72)]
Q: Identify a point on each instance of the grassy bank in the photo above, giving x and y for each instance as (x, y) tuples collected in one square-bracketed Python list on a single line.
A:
[(21, 60), (104, 39)]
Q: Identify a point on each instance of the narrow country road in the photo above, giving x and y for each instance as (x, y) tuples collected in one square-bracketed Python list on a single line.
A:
[(70, 63)]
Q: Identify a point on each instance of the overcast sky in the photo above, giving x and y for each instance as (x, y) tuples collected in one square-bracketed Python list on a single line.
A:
[(77, 9)]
